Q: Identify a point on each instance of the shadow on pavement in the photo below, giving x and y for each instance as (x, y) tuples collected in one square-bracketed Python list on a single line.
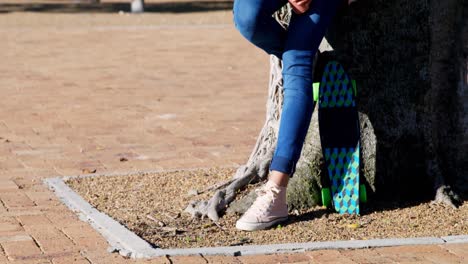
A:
[(164, 7)]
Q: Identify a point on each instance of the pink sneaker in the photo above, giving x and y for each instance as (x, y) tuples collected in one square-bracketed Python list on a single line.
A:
[(269, 208)]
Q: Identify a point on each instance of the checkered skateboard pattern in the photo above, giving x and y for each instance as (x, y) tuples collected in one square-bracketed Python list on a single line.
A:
[(343, 170), (339, 141), (336, 87)]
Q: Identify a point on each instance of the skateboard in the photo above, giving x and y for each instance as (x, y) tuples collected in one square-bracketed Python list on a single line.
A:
[(339, 137)]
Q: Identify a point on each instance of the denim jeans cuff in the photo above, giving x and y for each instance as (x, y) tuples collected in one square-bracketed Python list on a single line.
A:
[(283, 165)]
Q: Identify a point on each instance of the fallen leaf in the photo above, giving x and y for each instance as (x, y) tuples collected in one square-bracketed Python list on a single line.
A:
[(354, 226)]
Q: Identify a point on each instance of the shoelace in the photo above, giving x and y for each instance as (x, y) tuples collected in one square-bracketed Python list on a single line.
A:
[(265, 199)]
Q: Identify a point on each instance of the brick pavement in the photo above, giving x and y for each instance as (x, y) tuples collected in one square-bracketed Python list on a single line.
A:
[(80, 97)]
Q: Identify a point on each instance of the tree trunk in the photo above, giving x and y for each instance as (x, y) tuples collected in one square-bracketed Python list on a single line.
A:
[(410, 62), (408, 59)]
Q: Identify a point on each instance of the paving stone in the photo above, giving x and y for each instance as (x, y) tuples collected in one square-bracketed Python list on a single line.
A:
[(27, 220), (413, 248), (417, 262), (101, 257), (9, 225), (64, 162), (44, 232), (75, 259), (276, 258), (91, 243), (41, 173), (365, 256), (3, 257), (43, 198), (50, 239), (63, 218), (18, 211), (444, 257), (157, 260), (67, 171), (222, 260), (38, 260), (84, 230), (16, 199), (90, 165), (328, 256), (12, 174), (8, 185), (3, 210), (188, 259), (33, 162), (21, 249), (409, 253), (9, 164), (460, 250), (56, 245), (26, 182), (84, 236), (405, 257), (15, 238)]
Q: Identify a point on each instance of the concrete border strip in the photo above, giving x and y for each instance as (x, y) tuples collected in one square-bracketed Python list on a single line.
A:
[(120, 238), (129, 244), (456, 239), (301, 247)]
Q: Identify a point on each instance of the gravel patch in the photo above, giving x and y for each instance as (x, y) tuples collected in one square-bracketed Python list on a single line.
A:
[(152, 207)]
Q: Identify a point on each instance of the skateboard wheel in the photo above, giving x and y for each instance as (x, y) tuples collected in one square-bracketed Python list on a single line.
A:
[(362, 193), (326, 197), (315, 90)]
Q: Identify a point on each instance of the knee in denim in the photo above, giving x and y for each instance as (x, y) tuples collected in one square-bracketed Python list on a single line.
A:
[(298, 63), (247, 17), (297, 86)]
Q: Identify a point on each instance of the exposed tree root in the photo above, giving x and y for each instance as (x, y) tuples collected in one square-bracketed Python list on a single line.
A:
[(446, 196), (221, 199)]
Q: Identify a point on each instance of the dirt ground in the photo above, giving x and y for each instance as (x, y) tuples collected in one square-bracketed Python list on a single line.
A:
[(152, 206)]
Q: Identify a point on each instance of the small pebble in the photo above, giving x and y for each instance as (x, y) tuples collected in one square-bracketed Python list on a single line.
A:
[(193, 192)]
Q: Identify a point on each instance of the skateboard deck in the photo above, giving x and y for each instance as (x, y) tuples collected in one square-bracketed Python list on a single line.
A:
[(339, 136)]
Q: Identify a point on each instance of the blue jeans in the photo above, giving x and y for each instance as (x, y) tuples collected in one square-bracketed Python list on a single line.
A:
[(296, 47)]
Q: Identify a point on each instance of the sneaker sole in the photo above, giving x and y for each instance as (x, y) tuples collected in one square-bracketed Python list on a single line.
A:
[(259, 226)]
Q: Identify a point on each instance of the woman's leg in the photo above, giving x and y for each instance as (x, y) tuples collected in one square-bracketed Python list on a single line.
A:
[(303, 39), (254, 20), (300, 45)]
